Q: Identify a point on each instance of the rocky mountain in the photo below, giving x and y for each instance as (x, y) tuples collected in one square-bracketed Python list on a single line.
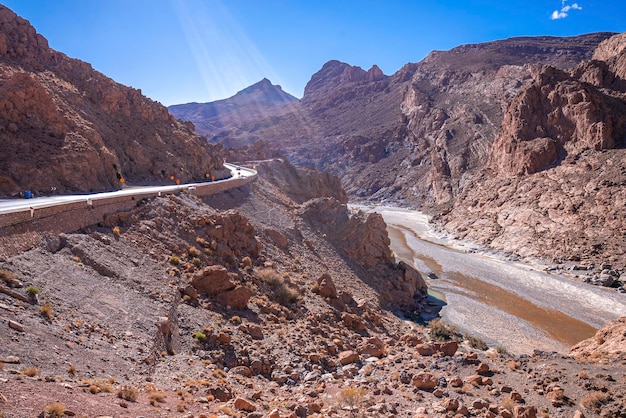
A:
[(257, 102), (63, 125), (476, 129), (555, 182)]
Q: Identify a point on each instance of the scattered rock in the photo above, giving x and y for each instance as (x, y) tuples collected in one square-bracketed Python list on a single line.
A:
[(425, 381)]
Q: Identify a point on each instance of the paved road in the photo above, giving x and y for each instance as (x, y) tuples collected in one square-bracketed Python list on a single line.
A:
[(511, 304), (18, 205)]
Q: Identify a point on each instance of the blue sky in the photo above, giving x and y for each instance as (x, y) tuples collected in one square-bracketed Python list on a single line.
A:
[(180, 51)]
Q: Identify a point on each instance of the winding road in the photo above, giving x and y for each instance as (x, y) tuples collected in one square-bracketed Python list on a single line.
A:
[(511, 304), (19, 205)]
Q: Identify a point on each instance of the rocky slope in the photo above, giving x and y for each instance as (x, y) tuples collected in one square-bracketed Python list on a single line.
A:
[(554, 185), (63, 125), (255, 303)]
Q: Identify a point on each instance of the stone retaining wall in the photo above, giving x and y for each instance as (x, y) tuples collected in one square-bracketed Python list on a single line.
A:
[(19, 231)]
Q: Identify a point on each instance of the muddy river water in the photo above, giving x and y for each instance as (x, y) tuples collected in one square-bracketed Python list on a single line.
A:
[(508, 304)]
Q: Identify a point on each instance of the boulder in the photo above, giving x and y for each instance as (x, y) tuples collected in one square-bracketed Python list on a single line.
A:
[(278, 238), (212, 280), (237, 298), (326, 286), (348, 357), (244, 405), (425, 381), (373, 347)]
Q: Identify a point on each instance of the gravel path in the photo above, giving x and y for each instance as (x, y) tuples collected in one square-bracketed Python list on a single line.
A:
[(510, 304)]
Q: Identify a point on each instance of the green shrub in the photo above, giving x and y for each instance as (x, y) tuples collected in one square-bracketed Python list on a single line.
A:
[(200, 336), (33, 290), (174, 260)]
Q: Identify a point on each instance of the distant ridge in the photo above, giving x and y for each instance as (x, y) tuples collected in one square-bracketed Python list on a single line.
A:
[(259, 100)]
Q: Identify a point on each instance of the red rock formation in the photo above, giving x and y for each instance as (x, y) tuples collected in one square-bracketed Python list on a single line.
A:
[(555, 185), (65, 125), (557, 115)]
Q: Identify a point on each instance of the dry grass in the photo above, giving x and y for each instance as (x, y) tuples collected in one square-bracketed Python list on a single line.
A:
[(352, 398), (105, 386), (72, 369), (116, 231), (157, 396), (46, 311), (280, 291), (31, 372), (594, 401), (193, 252), (477, 343), (128, 393), (55, 410), (513, 365), (508, 404)]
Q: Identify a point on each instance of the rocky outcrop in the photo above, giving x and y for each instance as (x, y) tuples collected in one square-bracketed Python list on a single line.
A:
[(559, 114), (301, 184), (556, 171), (606, 346), (68, 128), (363, 239)]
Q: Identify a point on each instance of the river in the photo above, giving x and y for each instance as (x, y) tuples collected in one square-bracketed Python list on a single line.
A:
[(508, 304)]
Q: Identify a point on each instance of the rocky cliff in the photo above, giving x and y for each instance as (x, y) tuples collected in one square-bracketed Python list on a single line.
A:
[(63, 125), (555, 181)]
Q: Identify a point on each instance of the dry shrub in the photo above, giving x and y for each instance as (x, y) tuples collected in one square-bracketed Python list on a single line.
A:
[(72, 369), (594, 401), (477, 343), (440, 331), (583, 374), (280, 291), (193, 252), (180, 407), (46, 311), (93, 389), (55, 410), (31, 372), (128, 393), (116, 231), (157, 396)]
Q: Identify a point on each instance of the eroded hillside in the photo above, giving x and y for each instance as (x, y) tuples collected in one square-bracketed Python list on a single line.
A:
[(555, 182), (257, 302), (65, 127)]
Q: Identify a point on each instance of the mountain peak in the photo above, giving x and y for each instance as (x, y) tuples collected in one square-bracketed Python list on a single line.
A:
[(265, 92)]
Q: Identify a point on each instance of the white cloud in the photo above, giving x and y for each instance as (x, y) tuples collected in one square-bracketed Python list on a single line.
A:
[(562, 14)]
